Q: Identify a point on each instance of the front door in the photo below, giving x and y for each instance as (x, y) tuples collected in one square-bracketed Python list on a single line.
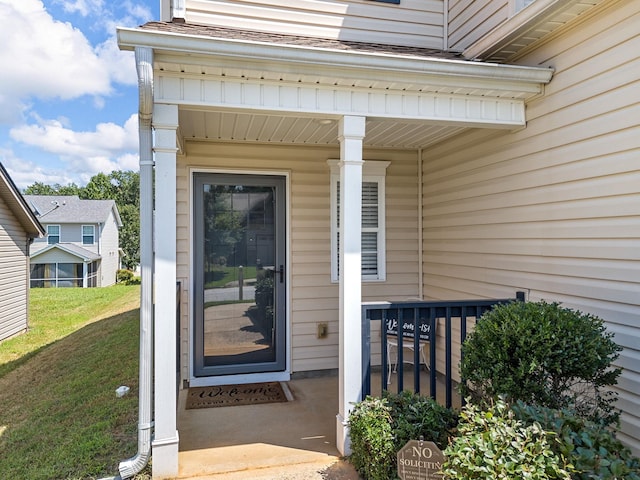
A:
[(239, 289)]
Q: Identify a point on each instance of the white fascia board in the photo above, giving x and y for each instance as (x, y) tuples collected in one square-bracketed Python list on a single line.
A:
[(379, 66)]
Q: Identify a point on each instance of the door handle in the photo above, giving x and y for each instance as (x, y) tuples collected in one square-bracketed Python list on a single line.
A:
[(281, 271)]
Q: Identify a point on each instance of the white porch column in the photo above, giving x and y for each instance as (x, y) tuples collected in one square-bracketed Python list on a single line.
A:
[(351, 134), (165, 441)]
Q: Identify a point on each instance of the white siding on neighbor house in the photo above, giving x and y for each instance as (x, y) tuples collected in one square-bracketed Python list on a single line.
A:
[(469, 21), (56, 255), (313, 297), (415, 23), (69, 233), (553, 209), (14, 263), (108, 238)]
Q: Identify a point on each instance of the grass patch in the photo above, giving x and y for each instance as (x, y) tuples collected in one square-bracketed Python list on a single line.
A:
[(56, 312), (218, 277), (60, 417)]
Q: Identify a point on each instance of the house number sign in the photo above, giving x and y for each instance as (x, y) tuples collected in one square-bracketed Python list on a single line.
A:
[(419, 460)]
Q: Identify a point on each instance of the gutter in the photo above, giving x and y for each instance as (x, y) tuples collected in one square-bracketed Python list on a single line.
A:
[(376, 66), (144, 65)]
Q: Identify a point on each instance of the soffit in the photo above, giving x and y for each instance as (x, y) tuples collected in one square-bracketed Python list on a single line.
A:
[(515, 37), (224, 126)]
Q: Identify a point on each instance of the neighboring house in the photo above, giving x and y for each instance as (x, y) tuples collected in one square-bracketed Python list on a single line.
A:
[(441, 149), (18, 228), (80, 248)]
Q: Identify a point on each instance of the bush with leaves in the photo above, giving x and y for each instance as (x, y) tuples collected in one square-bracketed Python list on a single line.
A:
[(493, 444), (126, 277), (372, 444), (380, 427), (415, 416), (592, 448), (544, 354)]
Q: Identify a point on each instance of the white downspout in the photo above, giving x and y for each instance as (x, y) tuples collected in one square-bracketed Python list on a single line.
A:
[(144, 65)]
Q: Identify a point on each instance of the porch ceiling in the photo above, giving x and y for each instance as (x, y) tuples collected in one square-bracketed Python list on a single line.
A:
[(223, 126)]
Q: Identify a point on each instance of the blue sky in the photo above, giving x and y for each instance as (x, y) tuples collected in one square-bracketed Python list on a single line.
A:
[(68, 96)]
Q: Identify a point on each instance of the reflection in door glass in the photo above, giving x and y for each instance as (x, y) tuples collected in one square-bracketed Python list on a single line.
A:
[(239, 267)]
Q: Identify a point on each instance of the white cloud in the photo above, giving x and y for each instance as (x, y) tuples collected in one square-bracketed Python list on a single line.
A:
[(44, 58), (83, 7), (109, 147), (121, 66), (59, 60), (25, 172)]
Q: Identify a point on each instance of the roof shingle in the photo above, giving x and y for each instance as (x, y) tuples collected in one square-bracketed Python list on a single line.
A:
[(296, 40)]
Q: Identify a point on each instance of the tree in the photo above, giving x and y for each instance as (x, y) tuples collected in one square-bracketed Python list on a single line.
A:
[(130, 235), (40, 188), (100, 188)]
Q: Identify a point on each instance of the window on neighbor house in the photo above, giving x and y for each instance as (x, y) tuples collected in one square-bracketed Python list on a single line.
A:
[(51, 275), (373, 221), (88, 234), (92, 274), (53, 234)]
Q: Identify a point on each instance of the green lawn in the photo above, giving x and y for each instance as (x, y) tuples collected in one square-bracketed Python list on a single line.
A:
[(60, 418), (219, 277)]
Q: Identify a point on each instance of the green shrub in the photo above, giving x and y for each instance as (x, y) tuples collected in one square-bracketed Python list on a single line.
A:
[(380, 427), (371, 439), (126, 277), (416, 416), (542, 354), (493, 444), (592, 448)]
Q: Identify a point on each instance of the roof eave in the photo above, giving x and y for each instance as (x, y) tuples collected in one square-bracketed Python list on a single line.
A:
[(340, 62), (491, 47), (58, 246), (19, 207)]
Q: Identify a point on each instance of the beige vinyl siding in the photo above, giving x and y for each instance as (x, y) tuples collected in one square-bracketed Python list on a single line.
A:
[(469, 21), (14, 263), (553, 209), (416, 23), (314, 298)]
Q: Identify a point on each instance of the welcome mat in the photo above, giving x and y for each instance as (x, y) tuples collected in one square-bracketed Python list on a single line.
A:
[(232, 395)]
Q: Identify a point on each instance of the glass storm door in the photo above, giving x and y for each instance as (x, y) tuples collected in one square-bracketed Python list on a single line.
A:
[(239, 291)]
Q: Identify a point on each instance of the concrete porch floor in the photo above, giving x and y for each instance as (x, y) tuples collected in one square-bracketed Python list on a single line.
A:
[(285, 441)]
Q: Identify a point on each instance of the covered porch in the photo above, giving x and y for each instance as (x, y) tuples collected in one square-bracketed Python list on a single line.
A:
[(296, 436), (325, 119)]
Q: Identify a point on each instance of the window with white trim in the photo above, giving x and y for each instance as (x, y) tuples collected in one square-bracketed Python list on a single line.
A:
[(88, 234), (373, 220), (53, 234)]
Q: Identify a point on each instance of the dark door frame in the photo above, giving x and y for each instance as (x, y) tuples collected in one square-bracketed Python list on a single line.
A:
[(278, 368)]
